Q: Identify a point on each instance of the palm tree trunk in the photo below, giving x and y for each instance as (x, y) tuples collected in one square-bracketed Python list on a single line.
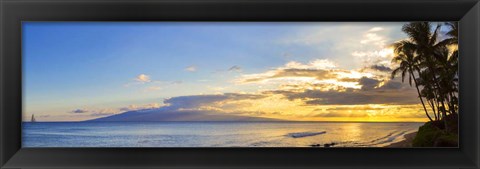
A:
[(432, 105), (454, 111), (420, 96), (444, 114), (449, 102), (438, 109)]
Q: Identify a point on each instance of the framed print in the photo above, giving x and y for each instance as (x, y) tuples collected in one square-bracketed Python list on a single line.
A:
[(161, 84)]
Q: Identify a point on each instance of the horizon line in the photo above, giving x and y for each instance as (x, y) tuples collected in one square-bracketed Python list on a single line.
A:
[(288, 121)]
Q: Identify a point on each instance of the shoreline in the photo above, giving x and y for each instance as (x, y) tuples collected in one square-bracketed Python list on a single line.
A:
[(407, 143)]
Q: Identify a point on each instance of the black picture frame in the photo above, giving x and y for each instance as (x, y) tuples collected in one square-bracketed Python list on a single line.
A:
[(13, 12)]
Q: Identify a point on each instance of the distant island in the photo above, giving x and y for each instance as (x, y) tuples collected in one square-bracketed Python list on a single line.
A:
[(166, 114)]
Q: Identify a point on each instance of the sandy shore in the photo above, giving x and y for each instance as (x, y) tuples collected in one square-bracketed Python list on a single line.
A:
[(405, 143)]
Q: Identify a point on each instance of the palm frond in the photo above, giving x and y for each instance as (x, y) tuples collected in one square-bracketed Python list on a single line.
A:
[(434, 37), (395, 72)]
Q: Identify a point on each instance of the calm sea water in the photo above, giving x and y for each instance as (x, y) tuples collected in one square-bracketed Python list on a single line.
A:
[(212, 134)]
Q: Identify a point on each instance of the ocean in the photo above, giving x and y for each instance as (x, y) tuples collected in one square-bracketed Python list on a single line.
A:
[(213, 134)]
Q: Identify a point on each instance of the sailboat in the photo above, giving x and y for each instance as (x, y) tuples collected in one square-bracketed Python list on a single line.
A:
[(33, 119)]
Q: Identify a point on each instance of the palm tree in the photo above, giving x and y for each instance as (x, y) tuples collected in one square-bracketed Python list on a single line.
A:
[(448, 69), (453, 59), (435, 63), (408, 65), (424, 42), (450, 63), (452, 34), (428, 92)]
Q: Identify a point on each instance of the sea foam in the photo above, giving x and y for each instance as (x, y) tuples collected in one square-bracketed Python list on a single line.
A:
[(304, 134)]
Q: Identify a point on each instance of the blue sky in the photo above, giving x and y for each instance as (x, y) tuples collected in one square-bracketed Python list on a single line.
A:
[(70, 61), (105, 66)]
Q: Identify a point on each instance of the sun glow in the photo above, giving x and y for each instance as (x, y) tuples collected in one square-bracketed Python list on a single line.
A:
[(348, 81)]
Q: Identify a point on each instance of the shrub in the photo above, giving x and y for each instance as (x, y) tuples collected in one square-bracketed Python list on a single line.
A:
[(432, 134)]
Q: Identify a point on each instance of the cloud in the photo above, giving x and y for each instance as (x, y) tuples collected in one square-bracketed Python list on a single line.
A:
[(314, 74), (375, 29), (285, 73), (92, 112), (235, 69), (341, 114), (102, 114), (354, 97), (97, 112), (374, 38), (381, 68), (195, 101), (320, 82), (315, 64), (366, 39), (367, 107), (79, 111), (139, 107), (143, 78), (194, 105), (140, 79), (285, 104), (372, 90), (317, 69), (392, 85), (347, 79), (191, 68), (368, 83), (382, 56)]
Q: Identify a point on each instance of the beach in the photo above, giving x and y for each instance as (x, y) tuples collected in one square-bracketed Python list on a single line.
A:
[(407, 143)]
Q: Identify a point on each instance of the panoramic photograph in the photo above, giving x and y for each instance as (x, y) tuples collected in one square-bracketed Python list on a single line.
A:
[(240, 84)]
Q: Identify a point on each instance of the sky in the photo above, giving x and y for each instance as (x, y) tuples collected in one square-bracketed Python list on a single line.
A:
[(315, 71)]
